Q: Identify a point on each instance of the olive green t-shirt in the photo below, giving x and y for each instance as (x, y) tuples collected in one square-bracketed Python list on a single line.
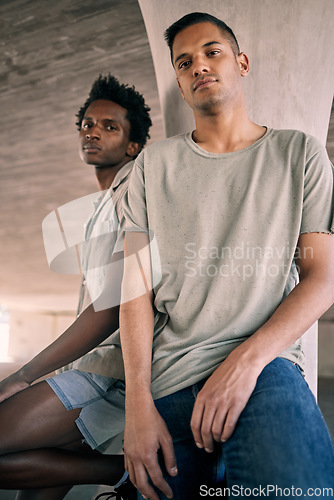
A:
[(227, 227)]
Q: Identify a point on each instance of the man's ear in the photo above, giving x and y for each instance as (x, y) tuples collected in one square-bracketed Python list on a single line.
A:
[(243, 63), (133, 148), (180, 88)]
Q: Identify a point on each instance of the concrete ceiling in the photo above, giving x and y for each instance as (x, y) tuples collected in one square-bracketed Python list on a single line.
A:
[(51, 52)]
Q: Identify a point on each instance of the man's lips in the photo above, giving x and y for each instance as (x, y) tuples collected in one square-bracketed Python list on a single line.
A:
[(90, 147), (204, 82)]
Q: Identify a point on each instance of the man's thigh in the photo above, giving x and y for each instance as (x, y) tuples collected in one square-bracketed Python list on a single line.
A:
[(281, 438), (102, 403), (195, 467), (36, 418)]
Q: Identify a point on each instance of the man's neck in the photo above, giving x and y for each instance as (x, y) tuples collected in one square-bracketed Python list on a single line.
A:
[(226, 132), (106, 175)]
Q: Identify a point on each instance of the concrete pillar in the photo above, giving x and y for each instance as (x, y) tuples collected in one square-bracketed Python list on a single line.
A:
[(290, 85), (326, 344)]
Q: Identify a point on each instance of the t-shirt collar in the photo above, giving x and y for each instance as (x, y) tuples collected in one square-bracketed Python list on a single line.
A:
[(121, 175)]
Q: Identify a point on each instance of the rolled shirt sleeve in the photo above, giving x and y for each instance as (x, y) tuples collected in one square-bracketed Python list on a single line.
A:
[(318, 202), (134, 204)]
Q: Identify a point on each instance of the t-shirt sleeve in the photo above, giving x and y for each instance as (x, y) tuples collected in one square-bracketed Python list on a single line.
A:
[(134, 204), (318, 203)]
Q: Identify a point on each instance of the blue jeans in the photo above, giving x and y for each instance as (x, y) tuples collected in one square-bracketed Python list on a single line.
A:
[(281, 443)]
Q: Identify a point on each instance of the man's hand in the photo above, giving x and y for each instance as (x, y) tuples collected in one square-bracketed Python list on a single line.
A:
[(221, 401), (12, 385), (227, 391), (146, 433)]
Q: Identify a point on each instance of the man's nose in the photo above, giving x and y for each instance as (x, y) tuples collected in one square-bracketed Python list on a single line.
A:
[(200, 66), (93, 132)]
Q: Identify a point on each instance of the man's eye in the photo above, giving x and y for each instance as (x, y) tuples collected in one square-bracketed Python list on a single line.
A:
[(111, 127), (184, 64), (213, 52), (86, 126)]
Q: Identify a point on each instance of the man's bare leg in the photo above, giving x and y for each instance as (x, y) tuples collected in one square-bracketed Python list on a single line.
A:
[(34, 426), (48, 467), (46, 494)]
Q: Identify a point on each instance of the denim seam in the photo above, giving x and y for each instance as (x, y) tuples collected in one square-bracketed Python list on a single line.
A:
[(63, 398), (86, 434), (60, 394)]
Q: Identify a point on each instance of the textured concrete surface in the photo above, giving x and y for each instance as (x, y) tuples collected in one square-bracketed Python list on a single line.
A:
[(326, 401)]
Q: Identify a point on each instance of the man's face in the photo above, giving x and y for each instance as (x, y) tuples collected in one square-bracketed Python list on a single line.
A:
[(104, 134), (208, 73)]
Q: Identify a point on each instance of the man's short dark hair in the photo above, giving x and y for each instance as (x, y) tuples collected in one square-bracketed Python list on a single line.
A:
[(109, 88), (195, 18)]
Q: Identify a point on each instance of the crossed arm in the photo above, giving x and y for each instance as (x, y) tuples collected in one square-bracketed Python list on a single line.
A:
[(228, 389)]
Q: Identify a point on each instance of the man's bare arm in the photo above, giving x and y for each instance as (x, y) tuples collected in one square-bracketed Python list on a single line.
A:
[(87, 331), (227, 391), (145, 430)]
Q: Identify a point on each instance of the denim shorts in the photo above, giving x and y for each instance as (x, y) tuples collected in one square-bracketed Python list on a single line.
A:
[(102, 399)]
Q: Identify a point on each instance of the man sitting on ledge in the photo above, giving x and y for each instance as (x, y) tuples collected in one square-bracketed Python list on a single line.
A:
[(53, 434), (223, 395)]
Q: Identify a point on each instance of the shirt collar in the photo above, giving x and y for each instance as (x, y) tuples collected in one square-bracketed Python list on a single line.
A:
[(121, 175)]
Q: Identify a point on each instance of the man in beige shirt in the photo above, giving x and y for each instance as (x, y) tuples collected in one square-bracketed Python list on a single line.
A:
[(243, 220)]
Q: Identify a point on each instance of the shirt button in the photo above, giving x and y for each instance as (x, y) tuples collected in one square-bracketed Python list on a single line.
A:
[(84, 282)]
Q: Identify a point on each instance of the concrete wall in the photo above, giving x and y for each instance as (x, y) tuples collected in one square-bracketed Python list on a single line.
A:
[(30, 332), (326, 344)]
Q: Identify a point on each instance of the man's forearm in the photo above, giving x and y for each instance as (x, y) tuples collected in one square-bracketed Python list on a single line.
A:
[(302, 307), (229, 388), (87, 331), (145, 431), (136, 315), (136, 326), (300, 310)]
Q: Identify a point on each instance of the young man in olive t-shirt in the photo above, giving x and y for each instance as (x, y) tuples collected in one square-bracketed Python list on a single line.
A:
[(240, 213)]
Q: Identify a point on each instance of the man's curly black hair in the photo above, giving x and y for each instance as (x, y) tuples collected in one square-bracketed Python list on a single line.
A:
[(109, 88)]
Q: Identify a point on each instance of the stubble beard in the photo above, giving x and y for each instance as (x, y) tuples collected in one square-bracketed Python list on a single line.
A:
[(211, 103), (208, 104)]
